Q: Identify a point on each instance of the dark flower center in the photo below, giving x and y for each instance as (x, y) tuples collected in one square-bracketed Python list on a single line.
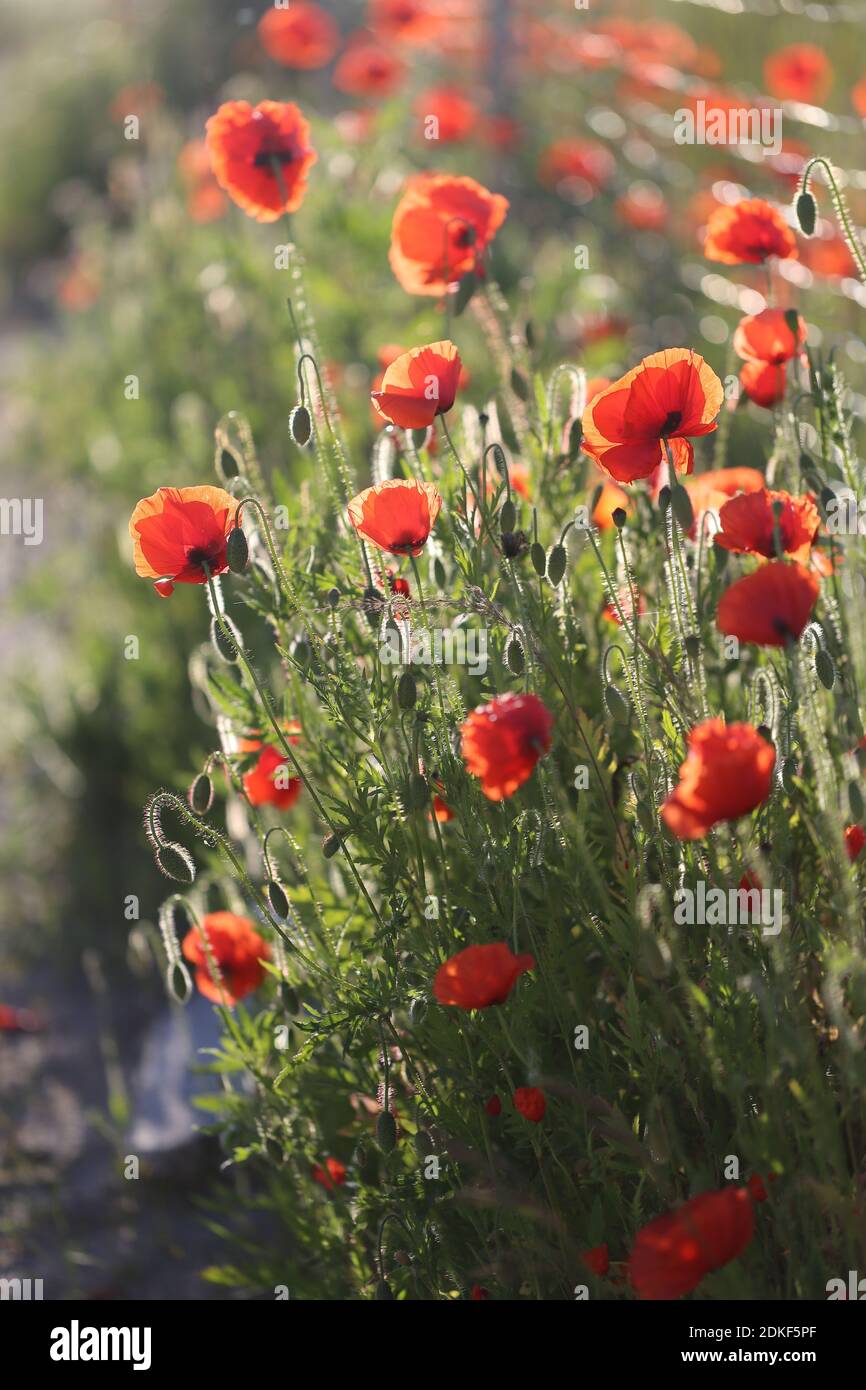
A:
[(672, 423), (204, 555), (265, 159)]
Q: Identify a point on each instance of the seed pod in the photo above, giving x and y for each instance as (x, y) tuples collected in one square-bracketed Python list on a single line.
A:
[(277, 899), (507, 516), (176, 862), (288, 997), (682, 507), (237, 550), (407, 691), (200, 795), (330, 845), (515, 658), (300, 425), (222, 635), (806, 213), (383, 1292), (538, 558), (617, 704), (519, 386), (824, 669), (556, 562), (386, 1132), (179, 982)]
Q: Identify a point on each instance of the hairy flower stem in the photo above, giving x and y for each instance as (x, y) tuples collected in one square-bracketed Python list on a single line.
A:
[(840, 206)]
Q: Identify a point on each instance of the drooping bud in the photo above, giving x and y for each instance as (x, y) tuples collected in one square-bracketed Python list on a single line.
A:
[(175, 862), (386, 1132), (538, 558), (556, 562), (330, 845), (617, 704), (807, 211), (515, 658), (407, 691), (824, 669), (300, 425), (682, 506), (507, 516), (200, 794), (237, 550), (277, 899)]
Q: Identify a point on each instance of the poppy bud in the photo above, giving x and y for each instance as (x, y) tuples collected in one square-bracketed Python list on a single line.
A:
[(693, 646), (465, 290), (383, 1292), (419, 792), (682, 505), (806, 213), (386, 1132), (538, 558), (529, 334), (619, 517), (200, 795), (664, 499), (575, 439), (179, 982), (333, 597), (514, 656), (420, 438), (288, 998), (407, 691), (556, 562), (226, 465), (617, 704), (330, 845), (277, 899), (176, 862), (519, 386), (225, 638), (300, 425), (513, 544), (507, 516), (824, 669), (855, 801), (237, 550), (439, 573)]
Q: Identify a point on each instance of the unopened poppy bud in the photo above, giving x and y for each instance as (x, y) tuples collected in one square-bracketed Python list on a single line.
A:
[(855, 801), (237, 550), (277, 899), (824, 669), (507, 516), (556, 562), (419, 792), (383, 1292), (439, 573), (682, 506), (330, 845), (513, 544), (333, 597), (407, 691), (538, 558), (466, 288), (664, 499), (288, 997), (179, 982), (200, 795), (225, 638), (386, 1132), (421, 438), (519, 386), (164, 587), (226, 464), (792, 319), (693, 646), (806, 213), (514, 656), (619, 516), (617, 704), (300, 425), (575, 439), (176, 862), (529, 334)]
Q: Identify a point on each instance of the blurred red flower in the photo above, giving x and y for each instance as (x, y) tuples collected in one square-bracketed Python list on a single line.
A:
[(597, 1259), (572, 159), (799, 72), (270, 782), (749, 524), (748, 232), (366, 69), (302, 36), (770, 607), (530, 1103), (480, 976), (855, 839), (331, 1174), (238, 952), (454, 114), (493, 1106), (479, 1294), (205, 200), (672, 1254), (503, 740), (767, 337), (406, 21), (178, 530), (419, 385), (442, 226), (764, 383), (396, 515), (668, 396), (858, 97), (248, 145), (727, 773)]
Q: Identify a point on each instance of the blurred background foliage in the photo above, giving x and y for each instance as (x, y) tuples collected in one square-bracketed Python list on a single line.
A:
[(107, 275)]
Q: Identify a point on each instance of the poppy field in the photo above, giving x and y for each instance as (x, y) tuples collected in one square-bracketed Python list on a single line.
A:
[(489, 515)]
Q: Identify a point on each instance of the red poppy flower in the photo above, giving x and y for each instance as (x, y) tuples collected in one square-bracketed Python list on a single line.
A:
[(800, 72), (855, 839), (758, 1187), (396, 515), (709, 491), (829, 256), (441, 810), (419, 386), (748, 232), (771, 606), (611, 613), (331, 1174), (270, 782), (238, 952), (597, 1259), (205, 199), (530, 1103), (749, 524), (500, 132), (366, 69), (666, 397), (406, 21), (672, 1254), (503, 740), (767, 337), (178, 530), (858, 97), (727, 773), (480, 976), (764, 383), (441, 228), (570, 161), (302, 36), (260, 156), (479, 1293), (454, 113), (493, 1106)]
